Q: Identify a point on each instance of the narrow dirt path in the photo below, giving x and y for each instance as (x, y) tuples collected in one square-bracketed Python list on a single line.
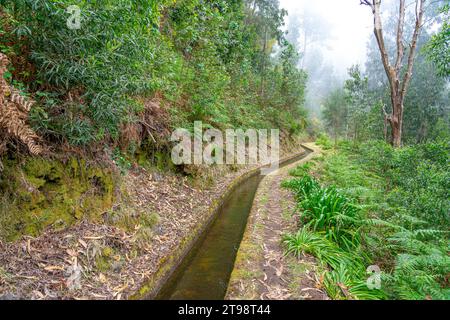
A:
[(262, 271)]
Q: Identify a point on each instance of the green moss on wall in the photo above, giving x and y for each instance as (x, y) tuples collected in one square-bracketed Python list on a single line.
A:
[(159, 157), (40, 192)]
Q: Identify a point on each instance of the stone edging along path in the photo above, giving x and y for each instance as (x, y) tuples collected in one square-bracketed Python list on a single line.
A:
[(156, 281), (262, 271)]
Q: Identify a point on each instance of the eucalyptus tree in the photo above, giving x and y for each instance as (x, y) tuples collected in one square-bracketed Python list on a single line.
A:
[(426, 100), (335, 113), (267, 18), (399, 79), (358, 99), (439, 47)]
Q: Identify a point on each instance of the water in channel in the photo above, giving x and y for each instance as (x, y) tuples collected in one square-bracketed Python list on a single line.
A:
[(205, 272)]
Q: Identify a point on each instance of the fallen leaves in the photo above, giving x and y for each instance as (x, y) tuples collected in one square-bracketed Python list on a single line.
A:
[(54, 268), (83, 243), (277, 279), (62, 265), (73, 281)]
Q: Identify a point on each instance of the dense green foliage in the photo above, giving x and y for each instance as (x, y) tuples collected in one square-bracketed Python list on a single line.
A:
[(335, 113), (229, 64), (86, 78), (439, 47), (330, 230), (226, 63), (399, 197), (383, 206), (355, 111), (326, 210)]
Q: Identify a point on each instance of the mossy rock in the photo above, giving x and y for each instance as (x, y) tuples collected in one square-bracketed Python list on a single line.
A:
[(151, 155), (47, 192)]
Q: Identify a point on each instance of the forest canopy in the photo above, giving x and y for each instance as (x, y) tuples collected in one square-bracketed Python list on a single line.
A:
[(368, 109), (226, 63)]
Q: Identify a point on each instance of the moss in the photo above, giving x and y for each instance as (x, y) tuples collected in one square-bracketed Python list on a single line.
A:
[(41, 168), (103, 264), (151, 155), (105, 260), (107, 252), (142, 159), (52, 193), (264, 200), (164, 161), (149, 220)]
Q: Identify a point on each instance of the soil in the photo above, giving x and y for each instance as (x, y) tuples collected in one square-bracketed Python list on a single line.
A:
[(73, 264), (262, 270), (103, 260)]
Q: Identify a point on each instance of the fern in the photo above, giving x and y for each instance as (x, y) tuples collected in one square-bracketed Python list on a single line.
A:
[(347, 277), (341, 284), (14, 110), (416, 254)]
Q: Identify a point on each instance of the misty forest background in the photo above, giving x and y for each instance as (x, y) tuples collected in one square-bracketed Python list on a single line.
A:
[(112, 91)]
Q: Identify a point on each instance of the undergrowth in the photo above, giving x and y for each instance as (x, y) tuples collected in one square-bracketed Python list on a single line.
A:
[(207, 60), (375, 205)]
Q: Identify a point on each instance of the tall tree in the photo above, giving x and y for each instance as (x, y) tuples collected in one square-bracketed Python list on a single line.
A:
[(358, 99), (439, 47), (335, 113), (399, 79), (268, 18)]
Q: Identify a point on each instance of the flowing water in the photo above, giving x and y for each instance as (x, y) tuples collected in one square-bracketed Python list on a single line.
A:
[(205, 272)]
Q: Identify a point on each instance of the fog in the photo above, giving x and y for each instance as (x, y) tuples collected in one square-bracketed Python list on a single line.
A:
[(349, 26), (331, 36)]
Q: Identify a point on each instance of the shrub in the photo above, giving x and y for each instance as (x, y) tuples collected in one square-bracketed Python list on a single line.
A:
[(347, 278), (404, 225), (326, 210), (324, 141), (302, 187), (301, 171), (95, 71), (203, 58)]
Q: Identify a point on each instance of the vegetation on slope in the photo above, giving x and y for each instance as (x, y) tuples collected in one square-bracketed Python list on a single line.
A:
[(377, 206), (369, 203), (38, 193), (210, 61), (111, 91)]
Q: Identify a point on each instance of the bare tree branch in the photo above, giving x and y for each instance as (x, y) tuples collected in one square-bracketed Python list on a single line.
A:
[(400, 28), (398, 86), (412, 52)]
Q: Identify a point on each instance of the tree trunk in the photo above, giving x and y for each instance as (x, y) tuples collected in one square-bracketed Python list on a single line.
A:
[(385, 130), (396, 139), (394, 72), (396, 121), (263, 67), (304, 51)]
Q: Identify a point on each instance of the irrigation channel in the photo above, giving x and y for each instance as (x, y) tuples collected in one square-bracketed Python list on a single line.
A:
[(205, 272)]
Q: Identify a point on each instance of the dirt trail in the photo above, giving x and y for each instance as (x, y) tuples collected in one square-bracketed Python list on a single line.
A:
[(261, 270)]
